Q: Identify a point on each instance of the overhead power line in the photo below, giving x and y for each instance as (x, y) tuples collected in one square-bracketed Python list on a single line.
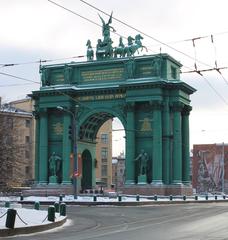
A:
[(167, 45), (21, 78), (39, 61), (15, 85), (138, 30), (117, 34)]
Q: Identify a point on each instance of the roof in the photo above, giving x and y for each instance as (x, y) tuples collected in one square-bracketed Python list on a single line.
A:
[(7, 108)]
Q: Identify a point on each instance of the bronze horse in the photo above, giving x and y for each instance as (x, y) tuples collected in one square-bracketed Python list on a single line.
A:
[(131, 49)]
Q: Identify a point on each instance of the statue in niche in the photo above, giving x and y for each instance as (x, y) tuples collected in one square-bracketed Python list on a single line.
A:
[(54, 164), (90, 53), (142, 161), (67, 73)]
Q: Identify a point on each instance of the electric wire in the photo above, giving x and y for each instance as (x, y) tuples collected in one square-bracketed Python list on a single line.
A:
[(122, 36), (21, 78), (39, 61), (138, 30), (149, 36), (79, 15), (165, 44)]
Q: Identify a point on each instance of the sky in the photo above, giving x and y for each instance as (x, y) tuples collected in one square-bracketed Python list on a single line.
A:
[(32, 30)]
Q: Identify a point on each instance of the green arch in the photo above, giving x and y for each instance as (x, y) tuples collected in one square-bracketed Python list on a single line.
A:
[(90, 122), (117, 114)]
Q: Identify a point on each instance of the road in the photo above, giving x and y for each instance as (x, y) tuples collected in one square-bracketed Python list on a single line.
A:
[(183, 221)]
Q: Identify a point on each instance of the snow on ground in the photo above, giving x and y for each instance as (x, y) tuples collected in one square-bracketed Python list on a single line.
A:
[(111, 198), (38, 217), (27, 217)]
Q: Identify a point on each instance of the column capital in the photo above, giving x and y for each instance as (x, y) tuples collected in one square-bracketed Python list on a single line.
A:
[(42, 112), (186, 110), (36, 114), (130, 107), (156, 105), (177, 106)]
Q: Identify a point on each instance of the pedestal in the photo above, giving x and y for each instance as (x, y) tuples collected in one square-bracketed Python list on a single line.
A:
[(157, 189), (142, 179), (53, 180)]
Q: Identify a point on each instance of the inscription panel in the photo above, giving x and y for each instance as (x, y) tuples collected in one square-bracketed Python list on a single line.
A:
[(57, 78), (101, 97), (102, 75)]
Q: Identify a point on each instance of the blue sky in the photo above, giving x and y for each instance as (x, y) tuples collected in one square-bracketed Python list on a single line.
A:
[(33, 30)]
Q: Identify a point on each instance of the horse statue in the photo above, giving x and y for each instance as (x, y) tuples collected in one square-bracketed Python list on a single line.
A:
[(131, 48), (138, 42), (104, 49), (119, 51), (90, 53)]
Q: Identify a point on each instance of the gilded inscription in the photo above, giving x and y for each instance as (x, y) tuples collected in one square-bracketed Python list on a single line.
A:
[(146, 70), (102, 75), (101, 97)]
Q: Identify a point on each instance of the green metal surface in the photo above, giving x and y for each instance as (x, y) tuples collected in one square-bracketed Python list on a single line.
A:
[(144, 92)]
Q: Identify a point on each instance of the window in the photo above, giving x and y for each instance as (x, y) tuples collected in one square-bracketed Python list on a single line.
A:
[(104, 138), (104, 160), (27, 123), (27, 139), (104, 170), (104, 180), (27, 170), (104, 153), (10, 122), (27, 155)]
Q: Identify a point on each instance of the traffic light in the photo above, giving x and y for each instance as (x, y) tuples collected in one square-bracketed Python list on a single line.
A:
[(70, 132)]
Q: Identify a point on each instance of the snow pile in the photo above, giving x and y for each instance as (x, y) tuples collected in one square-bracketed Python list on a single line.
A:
[(27, 217)]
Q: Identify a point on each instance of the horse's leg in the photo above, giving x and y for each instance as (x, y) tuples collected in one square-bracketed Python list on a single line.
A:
[(145, 48)]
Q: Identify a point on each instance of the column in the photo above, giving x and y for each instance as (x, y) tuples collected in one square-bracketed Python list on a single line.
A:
[(66, 149), (43, 147), (130, 145), (177, 144), (37, 137), (166, 142), (185, 145), (157, 143)]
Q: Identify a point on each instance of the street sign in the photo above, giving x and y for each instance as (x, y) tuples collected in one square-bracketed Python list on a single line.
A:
[(76, 174)]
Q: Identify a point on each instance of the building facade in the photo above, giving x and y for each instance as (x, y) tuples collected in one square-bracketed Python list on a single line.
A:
[(104, 154), (16, 147), (210, 168), (118, 172)]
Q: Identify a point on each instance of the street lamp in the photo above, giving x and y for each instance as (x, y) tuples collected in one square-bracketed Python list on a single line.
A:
[(75, 150)]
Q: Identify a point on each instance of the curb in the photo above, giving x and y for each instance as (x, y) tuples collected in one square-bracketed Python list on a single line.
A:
[(122, 203), (32, 229)]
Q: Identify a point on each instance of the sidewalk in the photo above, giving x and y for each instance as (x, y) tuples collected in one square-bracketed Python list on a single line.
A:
[(28, 221)]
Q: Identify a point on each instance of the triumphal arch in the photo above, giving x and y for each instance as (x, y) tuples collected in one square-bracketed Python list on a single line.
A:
[(144, 92)]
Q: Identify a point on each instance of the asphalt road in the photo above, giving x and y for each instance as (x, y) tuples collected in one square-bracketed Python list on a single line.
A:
[(182, 221)]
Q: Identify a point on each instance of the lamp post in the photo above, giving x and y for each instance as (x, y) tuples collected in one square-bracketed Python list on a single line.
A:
[(75, 150)]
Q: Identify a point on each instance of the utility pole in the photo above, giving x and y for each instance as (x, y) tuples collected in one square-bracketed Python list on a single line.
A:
[(223, 167)]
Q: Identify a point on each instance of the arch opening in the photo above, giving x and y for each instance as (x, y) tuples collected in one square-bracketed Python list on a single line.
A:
[(106, 134)]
